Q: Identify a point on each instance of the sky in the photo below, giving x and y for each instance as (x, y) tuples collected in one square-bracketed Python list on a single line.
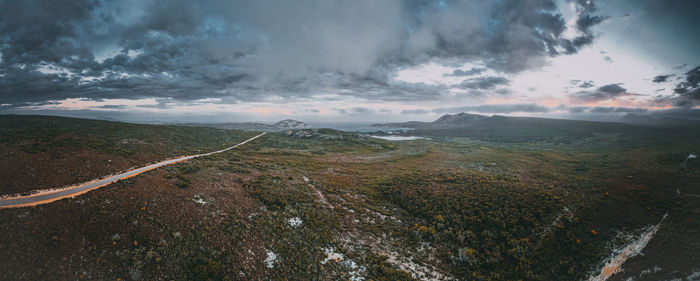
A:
[(348, 61)]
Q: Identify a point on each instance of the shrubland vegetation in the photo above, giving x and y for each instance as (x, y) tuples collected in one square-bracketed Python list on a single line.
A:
[(328, 205), (487, 223), (43, 152)]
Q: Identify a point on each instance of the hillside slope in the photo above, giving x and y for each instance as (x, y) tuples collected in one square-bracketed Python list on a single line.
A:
[(44, 152)]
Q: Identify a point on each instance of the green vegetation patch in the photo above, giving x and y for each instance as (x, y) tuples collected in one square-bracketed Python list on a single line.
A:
[(485, 223)]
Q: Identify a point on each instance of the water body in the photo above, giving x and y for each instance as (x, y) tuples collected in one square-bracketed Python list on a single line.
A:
[(400, 138), (354, 127)]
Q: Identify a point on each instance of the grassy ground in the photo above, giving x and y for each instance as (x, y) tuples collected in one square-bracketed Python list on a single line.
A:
[(326, 205)]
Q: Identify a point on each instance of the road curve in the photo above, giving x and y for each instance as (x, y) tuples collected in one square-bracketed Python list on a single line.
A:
[(54, 195)]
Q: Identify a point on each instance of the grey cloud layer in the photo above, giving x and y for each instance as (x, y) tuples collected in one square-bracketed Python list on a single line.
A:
[(534, 108), (253, 50), (607, 92), (484, 83), (688, 91), (470, 72), (661, 78), (496, 108)]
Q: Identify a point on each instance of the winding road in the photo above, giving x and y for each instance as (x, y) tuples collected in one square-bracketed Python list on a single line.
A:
[(54, 195)]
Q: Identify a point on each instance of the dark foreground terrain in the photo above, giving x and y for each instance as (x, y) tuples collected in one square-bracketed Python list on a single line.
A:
[(554, 204)]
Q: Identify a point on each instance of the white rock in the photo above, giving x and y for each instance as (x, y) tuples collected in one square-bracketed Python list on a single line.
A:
[(332, 255), (271, 258), (295, 222)]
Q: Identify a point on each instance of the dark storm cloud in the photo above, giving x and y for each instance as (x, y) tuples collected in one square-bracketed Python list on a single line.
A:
[(35, 31), (414, 111), (112, 106), (374, 88), (470, 72), (354, 110), (360, 110), (688, 91), (577, 109), (508, 35), (607, 109), (504, 91), (607, 92), (496, 108), (252, 50), (587, 84), (484, 83), (582, 84), (584, 22), (598, 110), (612, 89), (536, 108), (661, 78)]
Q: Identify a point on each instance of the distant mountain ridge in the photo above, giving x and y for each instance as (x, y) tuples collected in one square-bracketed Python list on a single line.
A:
[(290, 124), (286, 124), (637, 119), (445, 121), (510, 129), (463, 120)]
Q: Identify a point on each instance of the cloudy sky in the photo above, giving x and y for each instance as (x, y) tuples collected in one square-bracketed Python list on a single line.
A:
[(343, 61)]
